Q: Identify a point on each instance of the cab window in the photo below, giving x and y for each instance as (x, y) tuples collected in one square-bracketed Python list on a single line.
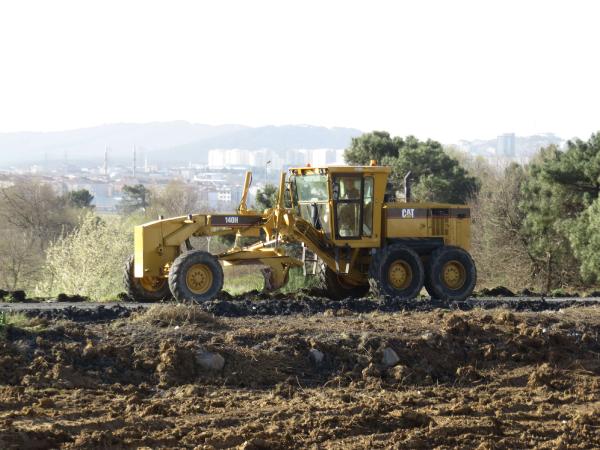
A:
[(368, 207), (347, 192)]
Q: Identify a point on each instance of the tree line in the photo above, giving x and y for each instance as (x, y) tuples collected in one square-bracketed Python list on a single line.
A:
[(535, 225)]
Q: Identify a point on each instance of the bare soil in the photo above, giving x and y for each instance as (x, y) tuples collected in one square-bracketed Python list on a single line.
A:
[(483, 379)]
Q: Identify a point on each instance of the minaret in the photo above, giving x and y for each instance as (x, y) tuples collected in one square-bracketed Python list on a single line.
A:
[(146, 170), (134, 160), (105, 168)]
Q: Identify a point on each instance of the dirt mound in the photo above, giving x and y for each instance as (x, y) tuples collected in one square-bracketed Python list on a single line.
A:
[(73, 313), (428, 379), (499, 291)]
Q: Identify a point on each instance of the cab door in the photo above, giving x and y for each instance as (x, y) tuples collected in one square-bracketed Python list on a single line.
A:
[(353, 206)]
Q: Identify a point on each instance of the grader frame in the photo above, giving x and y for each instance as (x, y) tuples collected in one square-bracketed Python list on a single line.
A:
[(309, 210)]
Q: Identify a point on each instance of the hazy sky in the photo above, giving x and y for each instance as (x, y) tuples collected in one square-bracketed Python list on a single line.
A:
[(440, 69)]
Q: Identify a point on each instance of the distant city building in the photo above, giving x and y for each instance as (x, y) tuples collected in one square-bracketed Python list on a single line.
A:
[(277, 160), (506, 145), (323, 156)]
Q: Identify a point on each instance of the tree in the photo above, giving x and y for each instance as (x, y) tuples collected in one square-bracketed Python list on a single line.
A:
[(561, 186), (436, 175), (266, 198), (499, 244), (20, 259), (175, 199), (584, 236), (376, 145), (32, 216), (81, 198), (35, 208), (135, 198)]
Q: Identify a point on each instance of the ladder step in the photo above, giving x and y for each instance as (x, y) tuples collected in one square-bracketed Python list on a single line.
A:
[(309, 260)]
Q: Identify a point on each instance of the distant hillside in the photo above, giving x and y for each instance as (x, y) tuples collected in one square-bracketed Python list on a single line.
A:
[(162, 141), (271, 137)]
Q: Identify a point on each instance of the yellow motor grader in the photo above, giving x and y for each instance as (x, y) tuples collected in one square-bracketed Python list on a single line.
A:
[(353, 234)]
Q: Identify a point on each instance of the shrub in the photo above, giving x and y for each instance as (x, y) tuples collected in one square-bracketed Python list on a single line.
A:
[(89, 261)]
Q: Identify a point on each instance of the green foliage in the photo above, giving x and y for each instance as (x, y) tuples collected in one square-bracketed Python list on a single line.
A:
[(436, 176), (135, 198), (88, 261), (376, 145), (584, 236), (298, 281), (560, 188), (81, 198), (266, 198)]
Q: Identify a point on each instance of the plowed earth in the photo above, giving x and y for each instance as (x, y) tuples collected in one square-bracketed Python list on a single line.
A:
[(482, 379)]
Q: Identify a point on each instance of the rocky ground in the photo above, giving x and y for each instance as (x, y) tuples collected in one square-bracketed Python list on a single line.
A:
[(326, 376)]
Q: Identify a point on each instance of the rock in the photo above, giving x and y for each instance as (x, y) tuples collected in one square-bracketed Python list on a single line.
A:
[(390, 357), (316, 356), (371, 371), (210, 360), (399, 372), (17, 296)]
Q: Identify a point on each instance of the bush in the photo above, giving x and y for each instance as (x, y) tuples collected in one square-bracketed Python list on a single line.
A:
[(89, 261)]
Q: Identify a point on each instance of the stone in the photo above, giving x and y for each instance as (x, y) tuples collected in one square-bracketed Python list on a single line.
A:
[(399, 372), (316, 356), (210, 361), (371, 371), (390, 358)]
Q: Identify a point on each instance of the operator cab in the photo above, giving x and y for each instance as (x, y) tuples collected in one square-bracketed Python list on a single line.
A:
[(339, 200)]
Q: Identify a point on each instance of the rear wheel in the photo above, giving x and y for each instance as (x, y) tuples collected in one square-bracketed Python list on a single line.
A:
[(337, 286), (195, 276), (396, 271), (144, 289), (451, 274)]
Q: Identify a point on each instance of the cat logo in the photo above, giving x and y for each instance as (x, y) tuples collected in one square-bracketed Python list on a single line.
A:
[(408, 213), (232, 219)]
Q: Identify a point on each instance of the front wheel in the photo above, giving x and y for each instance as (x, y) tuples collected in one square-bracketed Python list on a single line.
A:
[(451, 274), (195, 276)]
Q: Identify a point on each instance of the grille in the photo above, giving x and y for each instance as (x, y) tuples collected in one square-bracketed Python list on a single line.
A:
[(439, 221)]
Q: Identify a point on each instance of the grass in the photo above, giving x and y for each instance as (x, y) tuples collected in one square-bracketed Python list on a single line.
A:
[(298, 281), (240, 284), (19, 320)]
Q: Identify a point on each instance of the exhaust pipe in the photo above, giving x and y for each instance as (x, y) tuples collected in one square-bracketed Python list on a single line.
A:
[(407, 186)]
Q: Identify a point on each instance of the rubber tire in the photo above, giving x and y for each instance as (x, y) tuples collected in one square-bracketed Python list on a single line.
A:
[(434, 285), (379, 267), (136, 291), (329, 281), (182, 264)]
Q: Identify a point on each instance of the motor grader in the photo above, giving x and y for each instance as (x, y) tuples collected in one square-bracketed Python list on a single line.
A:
[(354, 236)]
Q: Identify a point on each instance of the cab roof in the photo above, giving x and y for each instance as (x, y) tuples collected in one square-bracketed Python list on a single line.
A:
[(322, 170)]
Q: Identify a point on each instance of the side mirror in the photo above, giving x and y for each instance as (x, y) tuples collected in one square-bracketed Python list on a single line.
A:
[(336, 190)]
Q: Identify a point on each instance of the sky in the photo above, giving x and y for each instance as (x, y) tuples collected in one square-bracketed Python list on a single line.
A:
[(446, 70)]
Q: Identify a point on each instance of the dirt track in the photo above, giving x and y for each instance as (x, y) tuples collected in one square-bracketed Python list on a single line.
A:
[(305, 303), (476, 379)]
